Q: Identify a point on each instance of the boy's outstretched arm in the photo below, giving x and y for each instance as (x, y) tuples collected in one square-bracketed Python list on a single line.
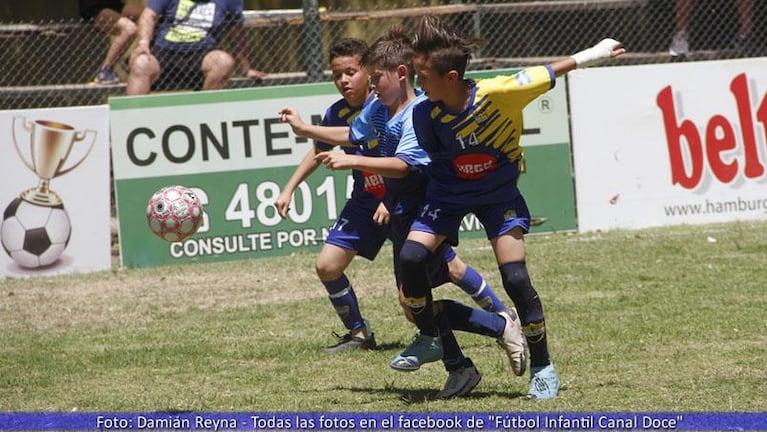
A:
[(336, 135), (386, 166), (605, 49)]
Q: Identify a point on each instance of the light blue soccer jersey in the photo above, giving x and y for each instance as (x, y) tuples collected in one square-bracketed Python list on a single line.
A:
[(393, 137), (474, 152), (369, 188)]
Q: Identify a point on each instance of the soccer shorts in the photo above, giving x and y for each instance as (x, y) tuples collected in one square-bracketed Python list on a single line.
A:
[(355, 229), (498, 219), (179, 70)]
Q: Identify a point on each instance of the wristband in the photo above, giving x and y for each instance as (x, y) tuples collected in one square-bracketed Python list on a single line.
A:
[(601, 51)]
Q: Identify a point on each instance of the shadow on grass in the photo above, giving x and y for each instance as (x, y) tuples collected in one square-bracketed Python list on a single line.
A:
[(390, 346), (412, 396)]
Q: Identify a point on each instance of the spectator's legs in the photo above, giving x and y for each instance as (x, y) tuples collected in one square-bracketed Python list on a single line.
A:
[(742, 41), (121, 27), (745, 13), (679, 43), (144, 70), (217, 67), (682, 11)]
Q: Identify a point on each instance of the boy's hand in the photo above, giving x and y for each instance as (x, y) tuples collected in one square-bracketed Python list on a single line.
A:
[(291, 116), (605, 49), (335, 160), (381, 215), (282, 203)]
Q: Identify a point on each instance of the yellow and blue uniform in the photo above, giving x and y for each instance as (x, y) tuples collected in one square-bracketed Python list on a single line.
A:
[(475, 154)]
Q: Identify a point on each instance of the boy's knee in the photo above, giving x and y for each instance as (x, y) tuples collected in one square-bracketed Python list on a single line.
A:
[(327, 270), (413, 255), (515, 275), (218, 63)]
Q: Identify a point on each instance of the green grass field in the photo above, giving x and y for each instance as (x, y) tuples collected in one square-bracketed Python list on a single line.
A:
[(668, 319)]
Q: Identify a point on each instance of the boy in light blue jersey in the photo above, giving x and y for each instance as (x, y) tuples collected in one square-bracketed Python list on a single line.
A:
[(471, 131), (362, 226), (381, 124)]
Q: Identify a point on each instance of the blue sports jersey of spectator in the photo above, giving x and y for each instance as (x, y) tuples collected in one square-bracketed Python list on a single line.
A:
[(369, 188), (475, 152), (393, 137), (194, 25)]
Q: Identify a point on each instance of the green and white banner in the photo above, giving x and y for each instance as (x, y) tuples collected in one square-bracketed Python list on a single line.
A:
[(230, 147)]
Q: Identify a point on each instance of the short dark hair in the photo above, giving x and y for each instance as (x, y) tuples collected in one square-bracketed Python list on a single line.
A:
[(348, 47), (443, 48), (391, 50)]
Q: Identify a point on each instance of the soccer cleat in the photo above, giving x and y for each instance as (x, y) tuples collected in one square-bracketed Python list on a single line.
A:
[(349, 342), (423, 349), (544, 383), (513, 341), (679, 45), (460, 382), (106, 76)]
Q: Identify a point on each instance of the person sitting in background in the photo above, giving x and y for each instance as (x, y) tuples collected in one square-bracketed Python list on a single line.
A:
[(183, 51), (116, 18), (680, 45)]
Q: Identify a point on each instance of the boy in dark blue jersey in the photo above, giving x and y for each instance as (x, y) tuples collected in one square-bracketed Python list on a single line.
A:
[(380, 125), (361, 228), (471, 131)]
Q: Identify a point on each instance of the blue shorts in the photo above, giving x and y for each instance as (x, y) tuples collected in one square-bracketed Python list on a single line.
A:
[(355, 230), (445, 219)]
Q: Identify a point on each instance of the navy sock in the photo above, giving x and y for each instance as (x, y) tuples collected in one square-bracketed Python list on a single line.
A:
[(344, 301), (452, 356), (516, 281), (472, 320), (476, 286)]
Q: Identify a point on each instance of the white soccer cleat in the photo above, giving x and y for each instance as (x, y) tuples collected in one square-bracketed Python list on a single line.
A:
[(513, 341)]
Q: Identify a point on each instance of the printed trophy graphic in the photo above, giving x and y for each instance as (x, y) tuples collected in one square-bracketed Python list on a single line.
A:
[(36, 227)]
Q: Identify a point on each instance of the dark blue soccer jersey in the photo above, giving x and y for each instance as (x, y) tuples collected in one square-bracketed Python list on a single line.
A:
[(475, 153)]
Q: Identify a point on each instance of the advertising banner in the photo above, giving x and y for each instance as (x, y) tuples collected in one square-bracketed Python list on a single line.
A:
[(231, 149), (669, 144), (55, 192)]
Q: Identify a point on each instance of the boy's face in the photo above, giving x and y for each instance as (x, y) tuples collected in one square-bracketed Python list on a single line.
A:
[(431, 82), (351, 79), (386, 84)]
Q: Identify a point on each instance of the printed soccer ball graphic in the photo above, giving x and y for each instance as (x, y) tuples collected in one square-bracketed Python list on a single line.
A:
[(174, 213), (34, 235)]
